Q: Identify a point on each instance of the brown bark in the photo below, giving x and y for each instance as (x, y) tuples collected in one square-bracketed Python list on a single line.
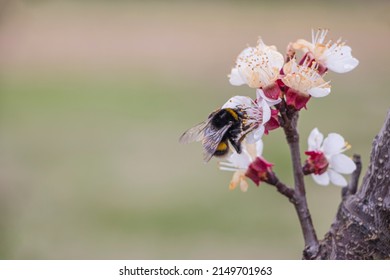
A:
[(361, 229)]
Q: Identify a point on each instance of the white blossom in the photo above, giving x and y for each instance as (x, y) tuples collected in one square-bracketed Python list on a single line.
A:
[(332, 147), (336, 56), (305, 80), (239, 163), (257, 67)]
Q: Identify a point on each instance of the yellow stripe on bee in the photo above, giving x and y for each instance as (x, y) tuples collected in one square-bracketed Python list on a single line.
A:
[(222, 146), (233, 113)]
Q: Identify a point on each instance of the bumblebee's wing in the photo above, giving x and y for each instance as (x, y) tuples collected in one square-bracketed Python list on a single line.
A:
[(194, 134), (212, 138)]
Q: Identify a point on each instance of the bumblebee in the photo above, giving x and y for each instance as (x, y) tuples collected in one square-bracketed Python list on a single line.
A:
[(222, 127)]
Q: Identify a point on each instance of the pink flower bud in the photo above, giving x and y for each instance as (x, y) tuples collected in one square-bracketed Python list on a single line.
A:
[(260, 170)]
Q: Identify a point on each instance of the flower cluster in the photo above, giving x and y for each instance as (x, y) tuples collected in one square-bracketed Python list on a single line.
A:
[(290, 84), (283, 87)]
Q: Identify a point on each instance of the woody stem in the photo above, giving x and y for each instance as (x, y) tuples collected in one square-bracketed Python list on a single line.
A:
[(299, 201)]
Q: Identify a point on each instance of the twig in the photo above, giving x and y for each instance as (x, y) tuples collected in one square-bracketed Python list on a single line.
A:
[(299, 200), (281, 187), (289, 121), (353, 183)]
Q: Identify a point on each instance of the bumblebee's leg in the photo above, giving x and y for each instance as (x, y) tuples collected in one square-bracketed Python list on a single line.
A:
[(236, 145), (233, 139)]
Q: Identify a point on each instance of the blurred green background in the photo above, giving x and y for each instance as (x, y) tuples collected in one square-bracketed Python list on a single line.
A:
[(95, 94)]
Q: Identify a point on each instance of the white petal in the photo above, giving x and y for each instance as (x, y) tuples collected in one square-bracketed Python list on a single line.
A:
[(336, 178), (235, 78), (243, 184), (241, 71), (259, 94), (266, 111), (303, 45), (224, 168), (235, 180), (315, 139), (238, 101), (240, 161), (333, 144), (245, 53), (344, 66), (259, 148), (319, 91), (341, 61), (271, 102), (322, 179), (250, 138), (276, 59), (250, 148), (342, 164), (255, 135)]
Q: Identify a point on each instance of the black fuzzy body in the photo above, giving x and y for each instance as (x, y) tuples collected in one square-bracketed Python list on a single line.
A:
[(232, 118)]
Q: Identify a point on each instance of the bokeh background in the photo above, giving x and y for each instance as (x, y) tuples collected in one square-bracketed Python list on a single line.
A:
[(95, 94)]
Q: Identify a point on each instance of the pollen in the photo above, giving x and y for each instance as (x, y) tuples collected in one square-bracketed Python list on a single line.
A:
[(222, 146), (347, 146)]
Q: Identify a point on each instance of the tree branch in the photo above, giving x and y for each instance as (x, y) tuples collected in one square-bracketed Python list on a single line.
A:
[(353, 183), (361, 227), (282, 188), (299, 199)]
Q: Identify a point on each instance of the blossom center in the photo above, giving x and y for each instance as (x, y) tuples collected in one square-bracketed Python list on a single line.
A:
[(316, 163)]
